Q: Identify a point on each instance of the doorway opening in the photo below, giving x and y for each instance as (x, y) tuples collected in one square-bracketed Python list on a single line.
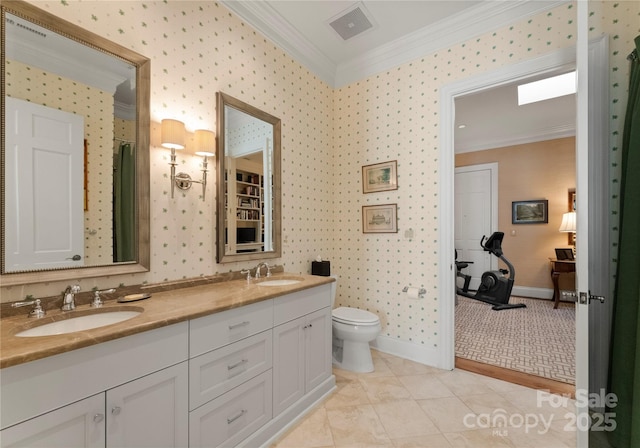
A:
[(559, 62)]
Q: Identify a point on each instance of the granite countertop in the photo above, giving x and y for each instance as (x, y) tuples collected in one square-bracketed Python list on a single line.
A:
[(162, 309)]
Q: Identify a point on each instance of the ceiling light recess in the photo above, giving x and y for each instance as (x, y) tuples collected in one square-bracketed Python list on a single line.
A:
[(546, 89)]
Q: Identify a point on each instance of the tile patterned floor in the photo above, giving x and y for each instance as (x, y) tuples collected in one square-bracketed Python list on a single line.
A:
[(404, 404), (538, 339)]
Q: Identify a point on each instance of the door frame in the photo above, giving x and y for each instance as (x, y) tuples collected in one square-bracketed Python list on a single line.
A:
[(555, 62), (594, 223)]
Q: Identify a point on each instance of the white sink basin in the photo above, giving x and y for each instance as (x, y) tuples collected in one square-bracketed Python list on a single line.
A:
[(279, 282), (79, 323)]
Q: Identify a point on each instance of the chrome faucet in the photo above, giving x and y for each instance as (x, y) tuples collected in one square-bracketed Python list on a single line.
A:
[(259, 266), (69, 298), (37, 310), (97, 300)]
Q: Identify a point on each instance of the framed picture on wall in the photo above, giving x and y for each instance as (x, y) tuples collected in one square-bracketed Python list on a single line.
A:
[(380, 177), (380, 218), (530, 212)]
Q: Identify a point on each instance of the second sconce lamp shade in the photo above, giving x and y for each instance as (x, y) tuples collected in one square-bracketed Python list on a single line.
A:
[(205, 143)]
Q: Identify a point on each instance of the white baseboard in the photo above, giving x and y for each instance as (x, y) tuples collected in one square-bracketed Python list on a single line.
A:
[(536, 293), (408, 350)]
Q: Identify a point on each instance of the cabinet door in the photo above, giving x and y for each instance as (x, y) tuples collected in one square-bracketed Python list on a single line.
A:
[(80, 424), (317, 334), (151, 411), (288, 364)]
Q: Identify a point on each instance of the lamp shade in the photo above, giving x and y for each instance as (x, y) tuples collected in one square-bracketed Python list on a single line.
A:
[(173, 134), (205, 142), (568, 222)]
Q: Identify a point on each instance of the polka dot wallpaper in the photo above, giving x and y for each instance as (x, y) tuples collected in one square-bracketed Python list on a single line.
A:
[(198, 48)]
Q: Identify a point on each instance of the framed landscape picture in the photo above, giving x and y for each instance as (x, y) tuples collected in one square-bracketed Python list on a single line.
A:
[(530, 212), (380, 218), (380, 177)]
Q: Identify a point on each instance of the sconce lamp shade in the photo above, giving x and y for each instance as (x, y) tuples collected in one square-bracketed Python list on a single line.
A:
[(173, 134), (205, 142), (568, 222)]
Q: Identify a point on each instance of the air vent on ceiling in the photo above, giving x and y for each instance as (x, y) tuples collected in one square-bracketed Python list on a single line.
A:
[(351, 22)]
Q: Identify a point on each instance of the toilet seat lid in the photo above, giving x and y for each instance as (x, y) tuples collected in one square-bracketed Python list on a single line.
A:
[(354, 315)]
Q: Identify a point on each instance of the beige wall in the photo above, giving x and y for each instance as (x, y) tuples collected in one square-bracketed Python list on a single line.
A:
[(542, 170)]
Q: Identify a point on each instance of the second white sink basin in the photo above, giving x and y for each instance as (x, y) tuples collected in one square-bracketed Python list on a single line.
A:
[(279, 282), (79, 323)]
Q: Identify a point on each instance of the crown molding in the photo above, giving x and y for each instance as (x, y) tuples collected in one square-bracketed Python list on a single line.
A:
[(466, 25), (475, 21), (267, 21), (533, 136)]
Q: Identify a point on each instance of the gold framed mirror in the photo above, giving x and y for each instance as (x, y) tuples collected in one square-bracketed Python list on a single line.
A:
[(85, 180), (249, 182)]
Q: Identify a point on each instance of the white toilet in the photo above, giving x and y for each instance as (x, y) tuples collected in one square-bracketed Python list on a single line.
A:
[(353, 329)]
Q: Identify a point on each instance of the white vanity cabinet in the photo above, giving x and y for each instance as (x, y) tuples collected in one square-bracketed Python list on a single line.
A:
[(301, 345), (148, 412), (134, 390), (233, 378), (230, 382), (79, 424)]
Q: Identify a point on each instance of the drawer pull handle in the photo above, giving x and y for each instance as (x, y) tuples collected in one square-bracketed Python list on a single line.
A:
[(238, 364), (116, 410), (98, 418), (236, 417), (307, 326), (241, 324)]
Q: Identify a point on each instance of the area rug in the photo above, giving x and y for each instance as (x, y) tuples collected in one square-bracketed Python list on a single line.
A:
[(537, 339)]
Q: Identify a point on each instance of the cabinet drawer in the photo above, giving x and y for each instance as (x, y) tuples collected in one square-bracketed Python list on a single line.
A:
[(234, 416), (216, 372), (294, 305), (217, 330)]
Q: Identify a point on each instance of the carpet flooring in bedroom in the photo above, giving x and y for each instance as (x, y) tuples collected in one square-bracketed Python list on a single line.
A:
[(537, 340)]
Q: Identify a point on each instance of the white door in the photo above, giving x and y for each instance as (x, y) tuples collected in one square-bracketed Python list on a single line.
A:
[(45, 187), (79, 425), (152, 411), (475, 216), (587, 113)]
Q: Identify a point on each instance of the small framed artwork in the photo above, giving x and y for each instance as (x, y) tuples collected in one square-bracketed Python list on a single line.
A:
[(380, 218), (564, 254), (530, 212), (380, 177)]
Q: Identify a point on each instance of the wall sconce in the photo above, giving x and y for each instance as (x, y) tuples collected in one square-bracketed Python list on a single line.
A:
[(173, 137), (568, 225)]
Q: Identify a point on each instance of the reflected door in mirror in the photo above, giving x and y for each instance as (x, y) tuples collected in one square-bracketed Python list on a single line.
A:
[(44, 180)]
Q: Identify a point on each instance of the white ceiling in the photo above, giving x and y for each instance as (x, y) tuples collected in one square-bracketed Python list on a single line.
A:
[(403, 31)]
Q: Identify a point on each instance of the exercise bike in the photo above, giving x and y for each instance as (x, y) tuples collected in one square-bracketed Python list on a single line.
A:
[(495, 287)]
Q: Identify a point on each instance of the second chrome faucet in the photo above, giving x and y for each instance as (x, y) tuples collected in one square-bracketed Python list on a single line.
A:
[(69, 298), (257, 271)]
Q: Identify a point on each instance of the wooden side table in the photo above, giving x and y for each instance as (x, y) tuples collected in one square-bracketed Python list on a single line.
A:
[(559, 267)]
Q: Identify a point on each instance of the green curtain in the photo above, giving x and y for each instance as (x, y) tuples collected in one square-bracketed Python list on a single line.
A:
[(124, 204), (625, 350)]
